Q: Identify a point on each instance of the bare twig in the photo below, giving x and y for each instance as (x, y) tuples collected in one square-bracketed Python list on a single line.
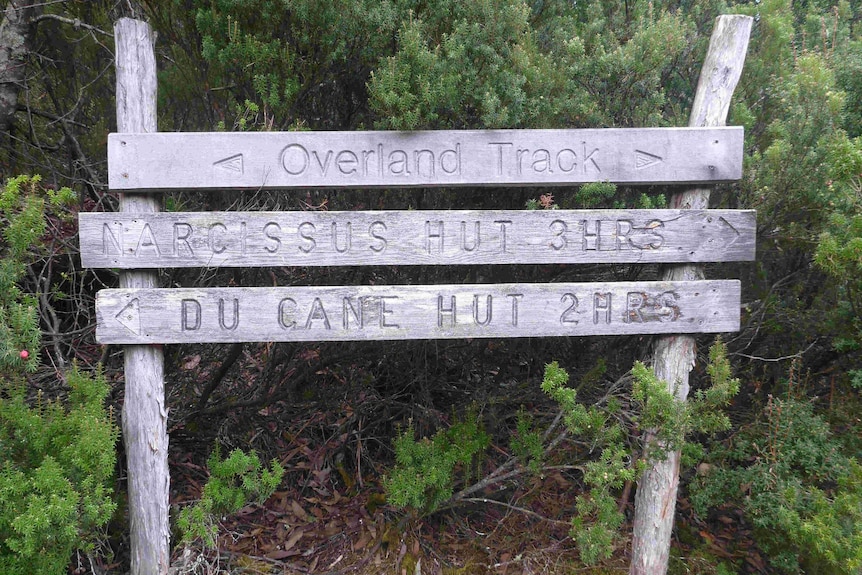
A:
[(515, 508), (52, 2), (74, 22), (776, 359), (230, 359), (49, 116)]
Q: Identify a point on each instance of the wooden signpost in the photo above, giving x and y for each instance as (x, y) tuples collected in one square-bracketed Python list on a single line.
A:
[(138, 238), (675, 355)]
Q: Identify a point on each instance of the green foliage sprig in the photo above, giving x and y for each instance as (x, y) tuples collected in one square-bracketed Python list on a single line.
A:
[(526, 443), (595, 193), (595, 527), (233, 483), (424, 474), (663, 423)]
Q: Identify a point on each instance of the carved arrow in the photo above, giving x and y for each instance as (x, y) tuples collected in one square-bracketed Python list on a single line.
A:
[(716, 228), (646, 160), (130, 317), (231, 164)]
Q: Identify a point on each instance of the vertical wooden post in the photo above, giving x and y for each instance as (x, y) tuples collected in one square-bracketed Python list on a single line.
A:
[(655, 500), (144, 414)]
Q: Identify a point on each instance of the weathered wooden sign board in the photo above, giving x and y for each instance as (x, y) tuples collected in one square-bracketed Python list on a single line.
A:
[(267, 160), (134, 316), (257, 239)]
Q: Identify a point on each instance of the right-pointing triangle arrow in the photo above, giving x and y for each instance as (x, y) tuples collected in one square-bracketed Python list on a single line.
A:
[(645, 159)]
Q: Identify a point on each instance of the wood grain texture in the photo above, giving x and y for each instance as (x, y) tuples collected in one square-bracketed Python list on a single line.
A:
[(674, 356), (144, 414), (267, 160), (258, 239), (353, 313)]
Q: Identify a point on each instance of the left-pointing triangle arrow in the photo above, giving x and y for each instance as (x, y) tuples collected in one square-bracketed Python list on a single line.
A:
[(231, 164), (130, 317)]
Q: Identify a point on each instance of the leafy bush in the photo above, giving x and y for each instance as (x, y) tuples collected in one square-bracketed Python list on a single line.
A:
[(233, 482), (621, 458), (23, 219), (839, 253), (56, 457), (803, 497), (56, 475)]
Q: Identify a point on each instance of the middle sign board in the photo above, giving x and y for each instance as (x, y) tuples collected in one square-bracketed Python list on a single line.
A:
[(298, 238)]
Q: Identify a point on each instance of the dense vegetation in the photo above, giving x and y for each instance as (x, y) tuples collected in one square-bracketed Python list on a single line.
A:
[(454, 433)]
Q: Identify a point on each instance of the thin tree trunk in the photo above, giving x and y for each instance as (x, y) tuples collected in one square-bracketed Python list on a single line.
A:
[(655, 500), (15, 32), (144, 414)]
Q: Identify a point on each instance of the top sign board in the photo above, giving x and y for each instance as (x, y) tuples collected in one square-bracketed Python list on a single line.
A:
[(275, 160)]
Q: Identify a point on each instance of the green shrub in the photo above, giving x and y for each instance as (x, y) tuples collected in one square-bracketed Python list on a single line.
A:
[(424, 473), (56, 457), (234, 481), (22, 219), (622, 455), (803, 497), (56, 475), (839, 253)]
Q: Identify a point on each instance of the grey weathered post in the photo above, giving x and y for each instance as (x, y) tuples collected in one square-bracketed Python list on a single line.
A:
[(144, 413), (655, 500)]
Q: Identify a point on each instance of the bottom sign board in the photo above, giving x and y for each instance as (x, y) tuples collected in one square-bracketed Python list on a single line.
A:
[(186, 315)]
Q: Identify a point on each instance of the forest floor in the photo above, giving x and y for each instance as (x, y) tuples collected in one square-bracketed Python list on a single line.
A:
[(319, 525), (330, 514), (327, 518)]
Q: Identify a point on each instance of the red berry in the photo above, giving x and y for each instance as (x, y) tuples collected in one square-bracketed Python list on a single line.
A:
[(25, 354)]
